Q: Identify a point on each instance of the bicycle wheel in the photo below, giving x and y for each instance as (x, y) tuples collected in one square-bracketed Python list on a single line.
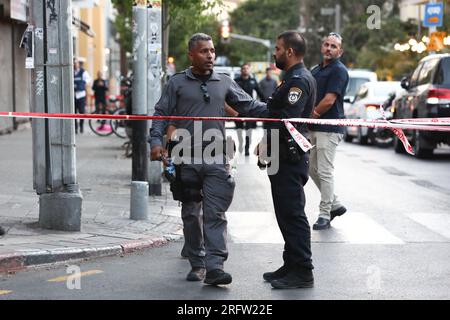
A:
[(119, 127), (100, 127)]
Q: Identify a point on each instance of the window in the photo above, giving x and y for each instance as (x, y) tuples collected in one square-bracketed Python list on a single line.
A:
[(415, 76), (353, 85), (442, 76), (427, 71)]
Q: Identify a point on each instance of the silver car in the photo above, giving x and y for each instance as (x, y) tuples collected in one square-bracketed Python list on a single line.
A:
[(366, 105)]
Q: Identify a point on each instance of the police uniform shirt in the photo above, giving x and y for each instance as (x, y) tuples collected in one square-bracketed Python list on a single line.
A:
[(294, 97), (333, 78), (249, 85), (184, 96)]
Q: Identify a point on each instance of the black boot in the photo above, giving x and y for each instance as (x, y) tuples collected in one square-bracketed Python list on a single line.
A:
[(280, 273), (217, 276), (299, 278), (2, 231)]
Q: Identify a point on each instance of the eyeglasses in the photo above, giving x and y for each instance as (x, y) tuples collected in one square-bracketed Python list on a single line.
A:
[(204, 89), (334, 34)]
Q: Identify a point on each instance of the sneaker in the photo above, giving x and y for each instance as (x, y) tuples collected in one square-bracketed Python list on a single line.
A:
[(294, 280), (338, 212), (280, 273), (217, 276), (321, 224), (196, 274)]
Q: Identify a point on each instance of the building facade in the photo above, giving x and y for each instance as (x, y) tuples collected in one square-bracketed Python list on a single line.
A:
[(15, 80)]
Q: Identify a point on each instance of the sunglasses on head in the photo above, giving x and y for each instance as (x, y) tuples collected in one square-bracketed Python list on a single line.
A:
[(334, 34), (204, 89)]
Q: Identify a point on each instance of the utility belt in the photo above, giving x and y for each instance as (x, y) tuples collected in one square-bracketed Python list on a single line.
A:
[(182, 191), (290, 151)]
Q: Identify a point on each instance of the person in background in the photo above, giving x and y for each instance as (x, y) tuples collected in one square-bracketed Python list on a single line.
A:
[(81, 80), (268, 85), (249, 84), (100, 88)]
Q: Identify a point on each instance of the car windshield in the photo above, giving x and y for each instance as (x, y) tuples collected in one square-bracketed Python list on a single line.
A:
[(353, 86), (383, 90)]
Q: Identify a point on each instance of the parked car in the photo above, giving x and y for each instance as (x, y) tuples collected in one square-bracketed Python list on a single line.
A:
[(428, 96), (356, 78), (366, 105)]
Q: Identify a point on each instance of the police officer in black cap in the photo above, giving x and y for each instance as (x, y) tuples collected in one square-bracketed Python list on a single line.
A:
[(293, 98)]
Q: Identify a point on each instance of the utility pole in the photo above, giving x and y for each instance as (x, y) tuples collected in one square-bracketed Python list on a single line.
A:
[(54, 161), (337, 18), (139, 184), (154, 64)]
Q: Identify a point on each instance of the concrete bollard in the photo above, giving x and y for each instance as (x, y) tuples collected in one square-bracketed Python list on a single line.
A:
[(139, 200)]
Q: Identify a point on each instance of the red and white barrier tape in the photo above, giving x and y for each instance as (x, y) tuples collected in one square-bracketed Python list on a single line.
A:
[(422, 124)]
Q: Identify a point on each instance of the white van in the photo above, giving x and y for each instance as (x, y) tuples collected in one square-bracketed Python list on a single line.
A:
[(356, 78)]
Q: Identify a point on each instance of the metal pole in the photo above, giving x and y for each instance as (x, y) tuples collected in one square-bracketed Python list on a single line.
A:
[(138, 211), (154, 24), (431, 30), (60, 201), (337, 17)]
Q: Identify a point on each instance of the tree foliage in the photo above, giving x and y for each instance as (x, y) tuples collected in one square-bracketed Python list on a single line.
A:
[(185, 18), (364, 48)]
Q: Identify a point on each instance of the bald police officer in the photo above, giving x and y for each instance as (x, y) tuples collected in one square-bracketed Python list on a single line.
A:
[(293, 98), (199, 91)]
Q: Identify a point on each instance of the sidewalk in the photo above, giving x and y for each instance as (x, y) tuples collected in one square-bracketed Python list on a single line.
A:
[(104, 176)]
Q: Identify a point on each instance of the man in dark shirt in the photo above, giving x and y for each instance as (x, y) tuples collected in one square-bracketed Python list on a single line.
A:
[(100, 88), (268, 84), (332, 79), (249, 84)]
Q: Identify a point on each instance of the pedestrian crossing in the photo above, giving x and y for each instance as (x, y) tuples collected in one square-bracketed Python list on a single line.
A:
[(352, 228)]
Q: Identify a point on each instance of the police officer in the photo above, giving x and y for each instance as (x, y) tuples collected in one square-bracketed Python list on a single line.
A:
[(81, 80), (199, 91), (249, 84), (293, 98)]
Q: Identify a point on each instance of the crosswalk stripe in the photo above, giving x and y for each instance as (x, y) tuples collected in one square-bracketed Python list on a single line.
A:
[(262, 227), (437, 222)]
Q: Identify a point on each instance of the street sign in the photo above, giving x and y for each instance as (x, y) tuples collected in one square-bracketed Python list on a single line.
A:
[(434, 14), (327, 11)]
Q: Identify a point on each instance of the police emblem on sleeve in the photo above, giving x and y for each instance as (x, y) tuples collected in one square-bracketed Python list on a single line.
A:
[(294, 95)]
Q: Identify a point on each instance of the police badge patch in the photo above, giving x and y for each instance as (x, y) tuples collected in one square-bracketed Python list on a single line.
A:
[(294, 95)]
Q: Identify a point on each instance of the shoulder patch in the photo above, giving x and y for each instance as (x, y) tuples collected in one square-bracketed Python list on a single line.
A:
[(294, 95)]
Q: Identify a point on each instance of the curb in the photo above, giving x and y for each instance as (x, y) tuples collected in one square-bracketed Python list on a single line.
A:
[(18, 261)]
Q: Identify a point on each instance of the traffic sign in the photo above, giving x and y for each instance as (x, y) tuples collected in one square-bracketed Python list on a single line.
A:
[(434, 15)]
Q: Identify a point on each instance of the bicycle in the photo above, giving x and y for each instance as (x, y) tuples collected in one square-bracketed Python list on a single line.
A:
[(103, 127)]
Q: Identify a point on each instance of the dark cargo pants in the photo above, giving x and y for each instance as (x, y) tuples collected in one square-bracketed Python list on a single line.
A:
[(205, 235)]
